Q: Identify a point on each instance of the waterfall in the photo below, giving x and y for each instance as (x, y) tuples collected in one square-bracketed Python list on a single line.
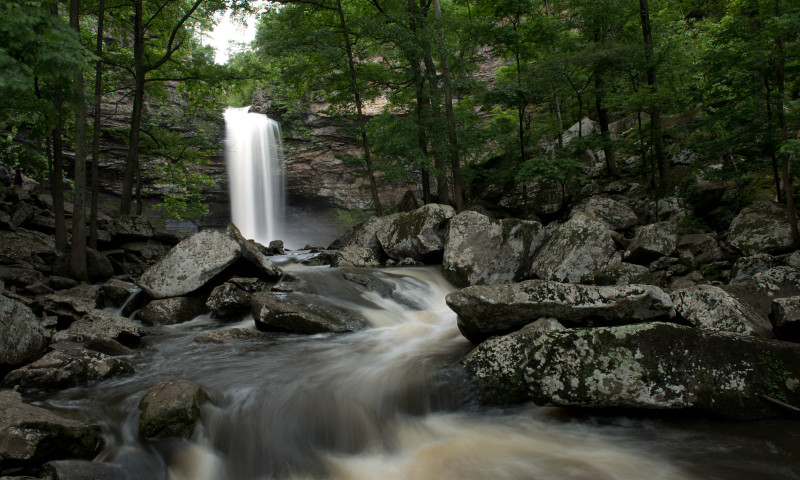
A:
[(254, 157)]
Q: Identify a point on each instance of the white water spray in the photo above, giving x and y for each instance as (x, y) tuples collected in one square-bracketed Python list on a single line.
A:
[(254, 156)]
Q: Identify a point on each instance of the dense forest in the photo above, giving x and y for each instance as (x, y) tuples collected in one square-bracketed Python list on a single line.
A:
[(447, 96)]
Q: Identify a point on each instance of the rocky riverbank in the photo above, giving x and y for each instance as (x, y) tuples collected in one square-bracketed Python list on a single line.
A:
[(600, 310)]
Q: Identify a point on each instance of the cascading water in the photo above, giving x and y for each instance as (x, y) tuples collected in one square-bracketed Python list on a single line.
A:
[(255, 163)]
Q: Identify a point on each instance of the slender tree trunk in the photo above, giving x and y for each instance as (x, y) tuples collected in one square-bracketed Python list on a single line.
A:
[(455, 165), (373, 184), (422, 102), (57, 175), (98, 94), (78, 250), (439, 161), (602, 117), (655, 111), (139, 72)]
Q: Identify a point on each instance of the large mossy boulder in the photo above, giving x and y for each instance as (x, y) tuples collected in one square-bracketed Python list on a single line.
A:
[(22, 338), (616, 215), (30, 435), (418, 235), (190, 264), (171, 409), (486, 310), (663, 366), (711, 308), (479, 250), (579, 247), (298, 313), (761, 227), (652, 242)]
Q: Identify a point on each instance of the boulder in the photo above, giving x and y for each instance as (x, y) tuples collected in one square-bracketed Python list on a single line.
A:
[(190, 264), (543, 196), (256, 254), (31, 435), (100, 330), (652, 242), (228, 299), (746, 267), (21, 244), (363, 235), (761, 227), (479, 250), (171, 409), (663, 366), (711, 308), (778, 280), (83, 470), (228, 335), (671, 209), (352, 256), (579, 246), (127, 228), (785, 318), (20, 276), (118, 292), (616, 215), (418, 234), (22, 338), (98, 266), (486, 310), (69, 305), (297, 314), (171, 311), (68, 365), (495, 366), (620, 273)]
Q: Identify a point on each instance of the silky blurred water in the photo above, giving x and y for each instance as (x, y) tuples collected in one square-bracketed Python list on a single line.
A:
[(390, 403)]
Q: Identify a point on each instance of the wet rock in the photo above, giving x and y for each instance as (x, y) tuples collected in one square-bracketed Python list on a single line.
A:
[(22, 338), (620, 273), (761, 227), (496, 366), (711, 308), (171, 409), (662, 366), (486, 310), (418, 234), (276, 247), (363, 235), (616, 215), (32, 435), (652, 242), (579, 247), (171, 311), (256, 254), (117, 291), (228, 335), (747, 267), (100, 328), (68, 365), (274, 313), (228, 299), (190, 264), (479, 250), (83, 470), (351, 256), (785, 318)]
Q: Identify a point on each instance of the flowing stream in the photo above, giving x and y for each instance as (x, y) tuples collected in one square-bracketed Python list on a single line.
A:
[(390, 402)]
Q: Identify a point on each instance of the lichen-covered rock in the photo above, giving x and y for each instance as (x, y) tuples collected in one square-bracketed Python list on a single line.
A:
[(746, 267), (579, 247), (30, 435), (616, 215), (296, 313), (228, 299), (101, 331), (363, 235), (132, 228), (22, 338), (98, 266), (171, 311), (418, 234), (711, 308), (761, 227), (171, 409), (20, 276), (663, 366), (21, 244), (543, 196), (486, 310), (69, 305), (777, 280), (117, 291), (479, 250), (785, 318), (68, 365), (256, 254), (352, 256), (190, 264), (620, 273), (496, 366), (228, 335), (652, 242)]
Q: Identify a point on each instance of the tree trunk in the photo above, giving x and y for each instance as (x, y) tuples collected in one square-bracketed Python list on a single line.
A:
[(655, 111), (373, 184), (139, 71), (422, 102), (98, 93), (78, 251), (602, 117), (458, 197)]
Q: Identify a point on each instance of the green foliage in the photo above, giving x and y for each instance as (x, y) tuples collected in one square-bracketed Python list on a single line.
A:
[(352, 217)]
